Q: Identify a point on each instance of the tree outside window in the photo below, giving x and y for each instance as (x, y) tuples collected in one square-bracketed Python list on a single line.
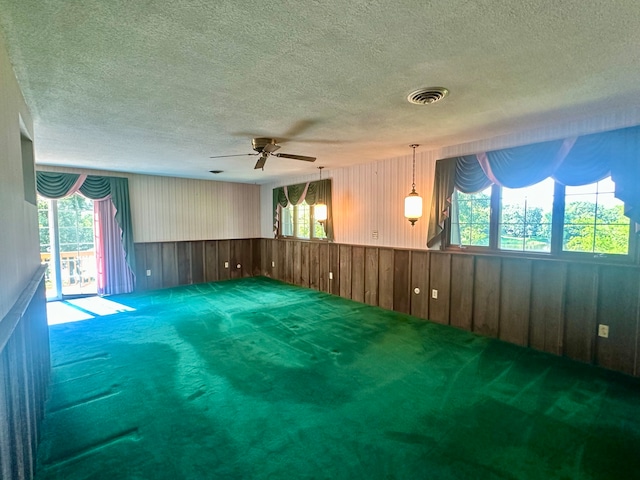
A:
[(591, 219)]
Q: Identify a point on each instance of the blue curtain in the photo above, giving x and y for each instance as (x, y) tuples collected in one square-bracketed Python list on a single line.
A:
[(575, 161)]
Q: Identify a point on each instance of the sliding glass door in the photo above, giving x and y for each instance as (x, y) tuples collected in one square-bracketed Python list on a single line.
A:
[(67, 246)]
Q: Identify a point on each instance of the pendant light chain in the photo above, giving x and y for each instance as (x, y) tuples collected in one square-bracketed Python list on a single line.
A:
[(413, 185)]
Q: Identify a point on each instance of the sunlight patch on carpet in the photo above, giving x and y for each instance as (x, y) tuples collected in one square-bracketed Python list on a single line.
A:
[(79, 309)]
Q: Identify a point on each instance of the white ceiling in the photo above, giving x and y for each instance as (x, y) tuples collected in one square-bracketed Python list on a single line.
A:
[(160, 86)]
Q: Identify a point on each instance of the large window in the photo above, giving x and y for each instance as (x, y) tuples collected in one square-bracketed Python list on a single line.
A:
[(298, 221), (545, 218)]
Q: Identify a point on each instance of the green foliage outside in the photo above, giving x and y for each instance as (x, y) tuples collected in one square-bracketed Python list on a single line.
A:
[(318, 231), (303, 226), (584, 230), (611, 230), (75, 224)]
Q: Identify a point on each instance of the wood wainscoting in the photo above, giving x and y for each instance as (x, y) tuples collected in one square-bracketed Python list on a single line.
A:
[(549, 305), (168, 264), (25, 366)]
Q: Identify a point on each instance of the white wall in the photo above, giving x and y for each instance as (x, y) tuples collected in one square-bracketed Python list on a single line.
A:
[(173, 209), (370, 197), (19, 250)]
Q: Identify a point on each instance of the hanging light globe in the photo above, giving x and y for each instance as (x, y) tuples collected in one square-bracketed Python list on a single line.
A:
[(413, 207), (413, 201)]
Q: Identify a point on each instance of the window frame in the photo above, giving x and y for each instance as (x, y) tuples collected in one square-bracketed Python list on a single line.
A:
[(312, 222), (557, 233)]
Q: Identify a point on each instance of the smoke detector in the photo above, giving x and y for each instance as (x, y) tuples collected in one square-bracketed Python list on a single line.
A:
[(427, 96)]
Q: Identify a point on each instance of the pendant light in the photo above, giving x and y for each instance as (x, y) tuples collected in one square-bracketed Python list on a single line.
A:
[(320, 208), (413, 201)]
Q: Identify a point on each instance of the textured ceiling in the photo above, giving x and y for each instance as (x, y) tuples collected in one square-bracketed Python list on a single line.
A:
[(160, 86)]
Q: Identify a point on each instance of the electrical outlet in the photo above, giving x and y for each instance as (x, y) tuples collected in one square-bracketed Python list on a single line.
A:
[(330, 275), (273, 264), (603, 331), (226, 264), (148, 273), (434, 293)]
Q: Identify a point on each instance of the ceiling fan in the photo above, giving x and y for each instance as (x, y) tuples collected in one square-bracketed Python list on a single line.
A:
[(265, 147)]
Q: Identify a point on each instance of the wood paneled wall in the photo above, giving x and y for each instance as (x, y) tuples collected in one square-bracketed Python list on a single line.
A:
[(24, 377), (168, 264), (549, 305)]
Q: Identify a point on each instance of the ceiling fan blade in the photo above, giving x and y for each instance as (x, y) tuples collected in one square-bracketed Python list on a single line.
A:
[(270, 147), (261, 161), (295, 157), (238, 155)]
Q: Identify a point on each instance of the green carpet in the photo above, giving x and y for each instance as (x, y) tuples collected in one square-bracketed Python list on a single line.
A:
[(256, 379)]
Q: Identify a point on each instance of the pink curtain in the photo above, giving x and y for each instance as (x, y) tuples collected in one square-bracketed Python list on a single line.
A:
[(113, 272)]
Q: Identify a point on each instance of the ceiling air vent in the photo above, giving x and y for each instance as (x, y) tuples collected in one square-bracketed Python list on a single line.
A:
[(427, 96)]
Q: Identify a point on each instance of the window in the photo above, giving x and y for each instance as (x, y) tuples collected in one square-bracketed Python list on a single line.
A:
[(298, 221), (525, 217), (544, 218), (470, 218), (594, 220)]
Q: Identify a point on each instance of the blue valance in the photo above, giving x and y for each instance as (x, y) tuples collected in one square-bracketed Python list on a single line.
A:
[(58, 185), (572, 161)]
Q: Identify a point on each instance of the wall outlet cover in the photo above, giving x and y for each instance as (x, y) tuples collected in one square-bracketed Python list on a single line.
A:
[(603, 331)]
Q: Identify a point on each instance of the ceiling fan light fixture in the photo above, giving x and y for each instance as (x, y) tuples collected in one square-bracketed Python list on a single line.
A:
[(266, 147)]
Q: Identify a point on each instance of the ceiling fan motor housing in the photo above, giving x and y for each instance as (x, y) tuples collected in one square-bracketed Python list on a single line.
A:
[(258, 144)]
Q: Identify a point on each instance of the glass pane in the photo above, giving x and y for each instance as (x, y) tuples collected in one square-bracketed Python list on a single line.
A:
[(77, 254), (594, 220), (45, 246), (479, 235), (470, 218), (612, 239), (580, 209), (286, 222), (303, 220), (610, 210), (525, 217), (510, 236), (318, 229), (578, 239), (580, 189)]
